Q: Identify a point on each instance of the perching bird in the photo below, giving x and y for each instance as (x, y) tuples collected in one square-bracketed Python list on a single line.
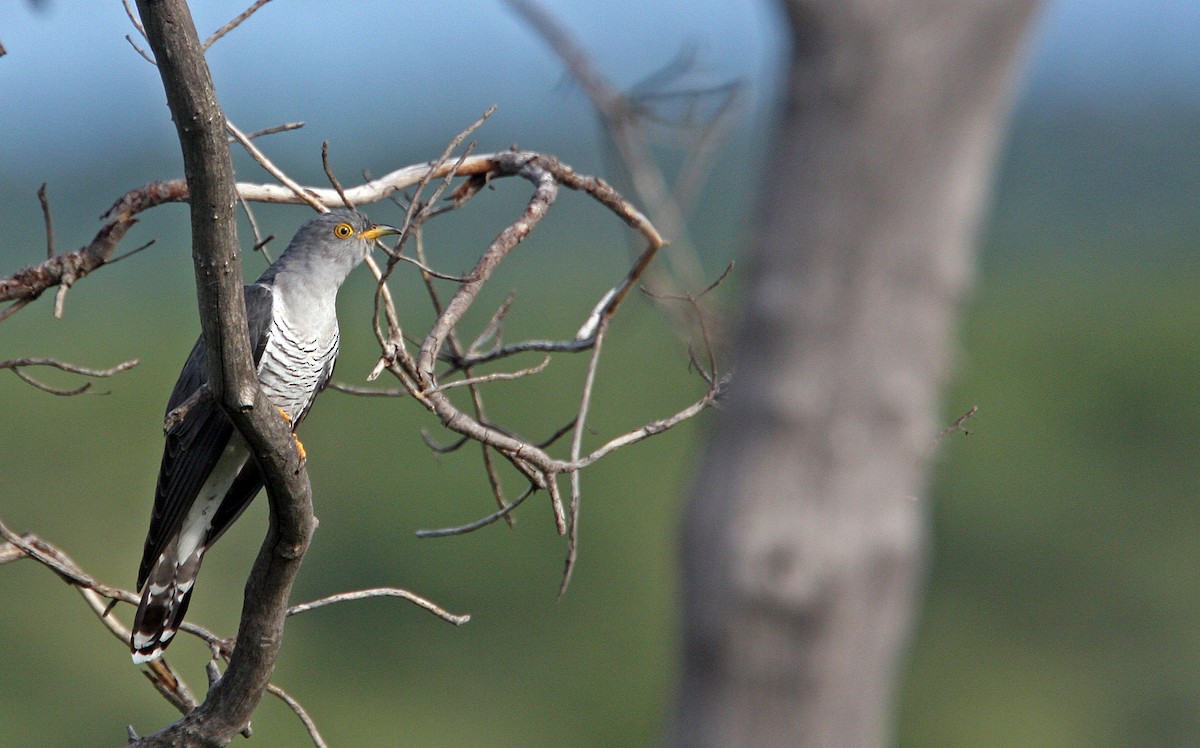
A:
[(207, 476)]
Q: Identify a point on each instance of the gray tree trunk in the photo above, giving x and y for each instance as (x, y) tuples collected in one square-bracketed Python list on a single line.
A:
[(803, 538)]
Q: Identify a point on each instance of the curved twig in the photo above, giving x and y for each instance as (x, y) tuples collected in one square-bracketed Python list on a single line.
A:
[(412, 597)]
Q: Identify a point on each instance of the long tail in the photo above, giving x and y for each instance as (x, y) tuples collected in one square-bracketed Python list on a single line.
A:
[(165, 598)]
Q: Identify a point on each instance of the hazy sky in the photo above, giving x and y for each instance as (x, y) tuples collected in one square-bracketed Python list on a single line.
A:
[(69, 69), (386, 81)]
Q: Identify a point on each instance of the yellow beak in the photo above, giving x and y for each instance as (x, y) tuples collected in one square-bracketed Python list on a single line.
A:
[(378, 230)]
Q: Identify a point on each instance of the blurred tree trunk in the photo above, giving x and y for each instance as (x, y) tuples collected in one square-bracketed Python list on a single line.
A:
[(803, 538)]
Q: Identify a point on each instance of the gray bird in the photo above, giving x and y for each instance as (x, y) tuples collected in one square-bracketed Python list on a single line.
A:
[(208, 477)]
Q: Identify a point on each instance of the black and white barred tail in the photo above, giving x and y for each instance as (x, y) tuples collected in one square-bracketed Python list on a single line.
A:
[(165, 598)]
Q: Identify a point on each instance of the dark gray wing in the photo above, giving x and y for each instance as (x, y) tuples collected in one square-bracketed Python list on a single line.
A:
[(194, 445)]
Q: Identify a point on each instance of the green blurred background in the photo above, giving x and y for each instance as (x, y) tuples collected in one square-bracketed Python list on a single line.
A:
[(1061, 608)]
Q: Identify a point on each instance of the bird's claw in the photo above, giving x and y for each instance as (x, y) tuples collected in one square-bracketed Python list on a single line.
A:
[(299, 445)]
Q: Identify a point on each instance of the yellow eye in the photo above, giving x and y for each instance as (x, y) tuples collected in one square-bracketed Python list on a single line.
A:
[(343, 231)]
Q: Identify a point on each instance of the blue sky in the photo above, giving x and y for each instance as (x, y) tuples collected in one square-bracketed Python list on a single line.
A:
[(70, 74), (388, 83)]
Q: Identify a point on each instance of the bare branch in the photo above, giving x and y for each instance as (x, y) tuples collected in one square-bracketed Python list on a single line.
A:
[(50, 389), (29, 283), (709, 373), (144, 54), (414, 598), (491, 330), (132, 252), (620, 117), (233, 24), (161, 675), (956, 426), (15, 307), (293, 187), (137, 24), (504, 511), (585, 401), (45, 203), (500, 376), (653, 428), (704, 117), (285, 127), (357, 391), (442, 449), (200, 127), (299, 711), (70, 368), (133, 18), (16, 365), (177, 414), (333, 180), (26, 285), (165, 680)]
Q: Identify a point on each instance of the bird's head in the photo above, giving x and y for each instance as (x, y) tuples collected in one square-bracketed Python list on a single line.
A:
[(332, 243)]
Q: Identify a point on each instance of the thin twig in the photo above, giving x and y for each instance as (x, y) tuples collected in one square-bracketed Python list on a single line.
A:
[(333, 180), (15, 307), (132, 252), (558, 434), (177, 414), (145, 55), (292, 185), (500, 376), (233, 24), (45, 203), (133, 18), (351, 389), (285, 127), (585, 401), (710, 373), (414, 598), (492, 330), (137, 24), (956, 426), (504, 511), (313, 733), (17, 364), (71, 368), (36, 384), (556, 503), (442, 449), (165, 680)]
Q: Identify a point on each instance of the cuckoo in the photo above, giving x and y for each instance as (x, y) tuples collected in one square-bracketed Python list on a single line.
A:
[(208, 476)]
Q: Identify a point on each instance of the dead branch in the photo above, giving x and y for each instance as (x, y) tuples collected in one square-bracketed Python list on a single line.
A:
[(623, 117), (352, 389), (165, 680), (958, 425), (313, 733), (233, 24), (417, 373), (17, 364), (233, 696), (27, 284), (504, 511), (101, 598), (45, 203), (412, 597)]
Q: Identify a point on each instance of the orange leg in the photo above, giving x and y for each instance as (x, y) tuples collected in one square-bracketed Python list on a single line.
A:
[(299, 446)]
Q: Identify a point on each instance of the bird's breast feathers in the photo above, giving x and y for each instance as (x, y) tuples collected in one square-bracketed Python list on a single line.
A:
[(297, 360)]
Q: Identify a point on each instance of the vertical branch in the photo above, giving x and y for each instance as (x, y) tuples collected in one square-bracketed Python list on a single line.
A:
[(208, 168), (232, 380)]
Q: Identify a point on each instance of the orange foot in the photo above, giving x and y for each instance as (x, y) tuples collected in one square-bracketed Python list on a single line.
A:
[(299, 446)]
